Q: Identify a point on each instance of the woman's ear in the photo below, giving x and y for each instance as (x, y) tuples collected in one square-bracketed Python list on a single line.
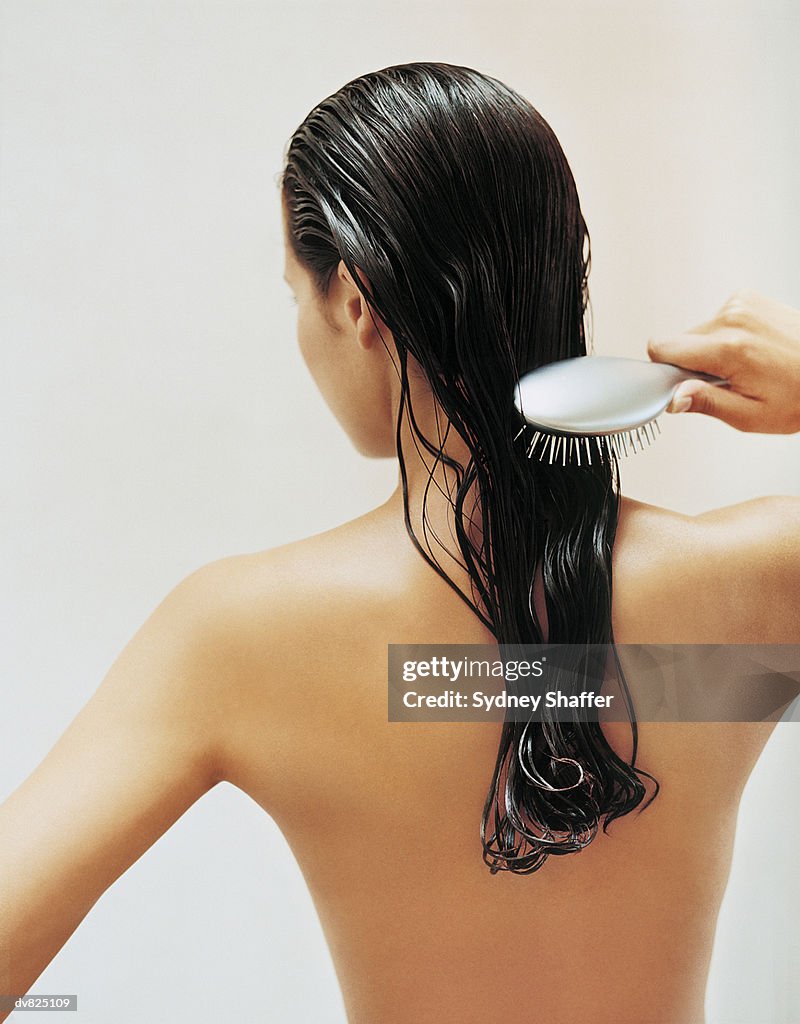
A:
[(369, 325)]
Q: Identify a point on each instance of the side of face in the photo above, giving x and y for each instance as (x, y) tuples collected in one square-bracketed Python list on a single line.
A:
[(342, 348)]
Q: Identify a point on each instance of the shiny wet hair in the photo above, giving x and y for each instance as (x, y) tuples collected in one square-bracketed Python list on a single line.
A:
[(453, 196)]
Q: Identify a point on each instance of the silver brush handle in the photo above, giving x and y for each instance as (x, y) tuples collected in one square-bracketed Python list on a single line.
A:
[(684, 374), (600, 394)]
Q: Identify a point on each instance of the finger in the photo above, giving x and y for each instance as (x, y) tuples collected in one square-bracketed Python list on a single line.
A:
[(712, 400), (707, 353)]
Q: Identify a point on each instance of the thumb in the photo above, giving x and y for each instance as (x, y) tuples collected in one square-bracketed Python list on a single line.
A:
[(714, 400), (692, 396)]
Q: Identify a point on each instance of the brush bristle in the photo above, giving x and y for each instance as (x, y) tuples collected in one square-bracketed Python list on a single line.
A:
[(583, 449)]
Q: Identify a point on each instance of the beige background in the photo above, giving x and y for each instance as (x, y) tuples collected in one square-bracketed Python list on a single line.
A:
[(157, 414)]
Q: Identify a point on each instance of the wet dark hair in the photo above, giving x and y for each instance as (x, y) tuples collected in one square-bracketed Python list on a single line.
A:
[(453, 196)]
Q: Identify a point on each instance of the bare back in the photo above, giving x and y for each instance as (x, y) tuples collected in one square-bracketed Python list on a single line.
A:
[(384, 817)]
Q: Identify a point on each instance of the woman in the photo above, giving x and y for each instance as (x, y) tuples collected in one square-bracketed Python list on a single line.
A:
[(436, 249)]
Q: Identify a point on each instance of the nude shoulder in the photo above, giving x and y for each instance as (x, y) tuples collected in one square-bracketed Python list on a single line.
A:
[(323, 577), (292, 614), (730, 575), (303, 618), (299, 591)]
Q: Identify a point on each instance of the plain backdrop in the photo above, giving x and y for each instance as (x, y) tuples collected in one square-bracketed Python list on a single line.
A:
[(157, 414)]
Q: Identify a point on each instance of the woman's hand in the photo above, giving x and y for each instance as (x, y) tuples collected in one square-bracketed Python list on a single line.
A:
[(753, 342)]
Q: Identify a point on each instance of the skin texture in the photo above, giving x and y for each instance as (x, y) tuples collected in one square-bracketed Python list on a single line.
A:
[(267, 671)]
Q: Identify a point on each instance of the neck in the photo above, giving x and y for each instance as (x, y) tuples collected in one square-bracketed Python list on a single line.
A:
[(432, 487)]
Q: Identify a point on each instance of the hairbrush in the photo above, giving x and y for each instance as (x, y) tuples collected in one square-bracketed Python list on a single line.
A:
[(596, 406)]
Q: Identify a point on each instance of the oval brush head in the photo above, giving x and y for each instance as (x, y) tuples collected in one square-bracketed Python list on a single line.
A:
[(596, 405)]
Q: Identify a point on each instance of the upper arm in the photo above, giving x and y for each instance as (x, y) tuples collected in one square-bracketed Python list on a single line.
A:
[(754, 548), (135, 758)]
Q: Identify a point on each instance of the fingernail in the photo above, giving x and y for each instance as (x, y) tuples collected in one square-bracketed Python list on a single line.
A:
[(681, 404)]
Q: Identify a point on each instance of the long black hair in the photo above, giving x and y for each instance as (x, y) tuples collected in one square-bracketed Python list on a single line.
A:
[(453, 196)]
